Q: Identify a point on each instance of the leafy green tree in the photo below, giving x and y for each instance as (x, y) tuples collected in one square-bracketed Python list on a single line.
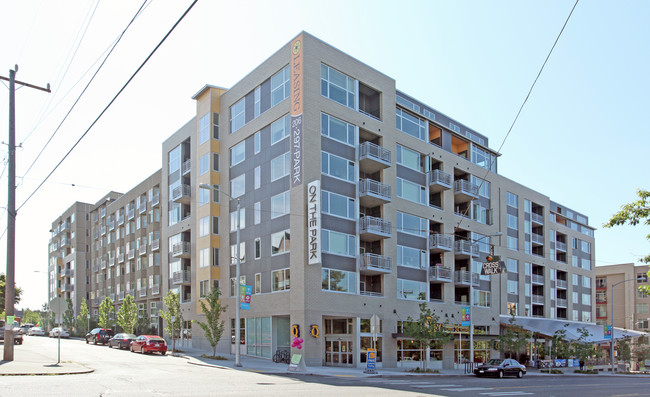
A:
[(214, 326), (632, 214), (513, 339), (642, 352), (624, 351), (82, 318), (426, 330), (127, 316), (173, 328), (106, 310), (142, 325), (31, 317), (581, 348), (561, 347), (17, 292), (68, 316)]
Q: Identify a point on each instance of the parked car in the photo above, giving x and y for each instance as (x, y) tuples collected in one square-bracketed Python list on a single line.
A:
[(149, 343), (25, 328), (36, 331), (500, 368), (123, 340), (18, 336), (59, 331), (99, 335)]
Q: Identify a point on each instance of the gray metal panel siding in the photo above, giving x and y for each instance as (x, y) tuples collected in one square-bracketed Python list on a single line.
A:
[(339, 262), (339, 149), (411, 175), (412, 241), (339, 224), (408, 273)]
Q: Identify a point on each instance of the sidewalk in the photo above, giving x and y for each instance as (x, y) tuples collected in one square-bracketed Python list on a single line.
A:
[(27, 362)]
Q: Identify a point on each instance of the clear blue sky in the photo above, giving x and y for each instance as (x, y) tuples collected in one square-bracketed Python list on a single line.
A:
[(580, 139)]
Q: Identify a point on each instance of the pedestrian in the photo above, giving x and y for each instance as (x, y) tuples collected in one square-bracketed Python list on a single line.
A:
[(582, 364)]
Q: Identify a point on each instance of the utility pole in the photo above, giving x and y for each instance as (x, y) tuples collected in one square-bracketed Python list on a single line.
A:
[(10, 286)]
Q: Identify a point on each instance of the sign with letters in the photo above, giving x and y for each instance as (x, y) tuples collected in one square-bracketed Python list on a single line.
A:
[(245, 297), (490, 268), (607, 331), (296, 111), (313, 222)]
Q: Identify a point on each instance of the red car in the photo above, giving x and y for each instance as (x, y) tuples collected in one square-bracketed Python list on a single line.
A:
[(149, 343)]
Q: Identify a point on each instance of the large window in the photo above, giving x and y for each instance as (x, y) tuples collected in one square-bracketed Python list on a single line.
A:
[(204, 163), (204, 128), (513, 222), (242, 252), (238, 186), (280, 166), (233, 220), (511, 199), (409, 158), (204, 226), (411, 224), (513, 243), (410, 124), (337, 129), (280, 242), (513, 287), (237, 115), (411, 257), (409, 289), (280, 204), (237, 153), (337, 86), (338, 243), (411, 191), (338, 280), (337, 167), (280, 86), (337, 205), (483, 158), (280, 280), (280, 129)]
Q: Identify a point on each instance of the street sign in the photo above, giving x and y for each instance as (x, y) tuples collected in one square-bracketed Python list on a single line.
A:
[(490, 268)]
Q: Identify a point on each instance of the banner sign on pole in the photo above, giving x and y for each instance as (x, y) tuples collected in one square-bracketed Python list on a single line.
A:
[(245, 297), (465, 316), (607, 330)]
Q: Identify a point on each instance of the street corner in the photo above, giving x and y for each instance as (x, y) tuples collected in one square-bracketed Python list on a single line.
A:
[(21, 368)]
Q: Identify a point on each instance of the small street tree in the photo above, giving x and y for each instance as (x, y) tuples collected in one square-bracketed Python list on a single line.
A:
[(172, 327), (624, 351), (31, 317), (513, 339), (561, 348), (17, 292), (213, 327), (127, 315), (426, 331), (581, 348), (82, 318), (106, 310), (68, 316)]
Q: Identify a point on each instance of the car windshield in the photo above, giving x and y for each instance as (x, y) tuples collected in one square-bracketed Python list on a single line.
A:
[(494, 361), (129, 336)]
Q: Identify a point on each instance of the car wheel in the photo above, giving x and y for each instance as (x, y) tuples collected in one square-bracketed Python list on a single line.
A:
[(142, 350), (500, 374), (86, 340), (131, 348), (520, 374), (95, 341)]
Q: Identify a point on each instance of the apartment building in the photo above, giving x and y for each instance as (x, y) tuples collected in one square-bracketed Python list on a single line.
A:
[(618, 296), (69, 255), (126, 256)]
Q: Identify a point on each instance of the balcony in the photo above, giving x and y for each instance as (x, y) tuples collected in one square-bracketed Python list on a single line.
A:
[(131, 292), (95, 268), (65, 242), (131, 254), (181, 194), (440, 243), (120, 219), (120, 258), (537, 239), (373, 193), (103, 265), (182, 250), (155, 245), (111, 262), (120, 295), (142, 250), (103, 230), (373, 229), (561, 284), (181, 277), (102, 212), (155, 290), (95, 301), (560, 246), (375, 264), (67, 272), (465, 249), (112, 296), (538, 299), (537, 218), (187, 166), (440, 274), (537, 279), (561, 302), (465, 191), (463, 277), (64, 226), (373, 158), (67, 287), (143, 292), (130, 213), (142, 208), (438, 181), (155, 200), (111, 226)]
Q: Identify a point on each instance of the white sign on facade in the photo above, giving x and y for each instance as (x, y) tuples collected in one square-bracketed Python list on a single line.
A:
[(313, 222)]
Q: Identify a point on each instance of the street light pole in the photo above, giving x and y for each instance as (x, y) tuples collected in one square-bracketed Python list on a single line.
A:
[(611, 346)]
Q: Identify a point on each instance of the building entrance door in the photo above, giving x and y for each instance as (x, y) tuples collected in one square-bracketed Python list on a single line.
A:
[(338, 352)]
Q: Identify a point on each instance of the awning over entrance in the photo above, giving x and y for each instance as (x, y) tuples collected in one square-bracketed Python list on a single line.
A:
[(547, 327)]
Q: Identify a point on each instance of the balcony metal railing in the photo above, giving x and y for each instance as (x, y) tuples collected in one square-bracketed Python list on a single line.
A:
[(537, 218), (111, 262), (120, 219), (143, 207), (155, 245), (439, 178), (181, 277), (67, 287), (143, 292), (95, 268), (103, 230), (371, 224), (561, 302), (461, 186), (112, 296), (131, 292), (182, 248), (464, 277), (180, 192), (67, 273), (130, 213), (561, 284), (187, 166), (537, 279), (120, 295), (371, 293), (375, 188), (560, 246), (64, 226), (465, 247), (440, 273), (155, 200), (103, 265), (131, 254), (120, 258), (155, 290), (440, 242), (142, 250), (369, 261), (375, 152), (538, 299), (537, 238)]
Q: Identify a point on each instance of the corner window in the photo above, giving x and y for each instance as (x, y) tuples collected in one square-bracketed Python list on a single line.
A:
[(237, 115), (337, 86), (338, 281), (337, 129), (337, 167), (280, 166), (237, 153), (280, 129), (238, 186), (280, 86), (410, 124)]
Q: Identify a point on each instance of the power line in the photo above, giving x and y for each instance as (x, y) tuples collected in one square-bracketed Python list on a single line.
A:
[(110, 103)]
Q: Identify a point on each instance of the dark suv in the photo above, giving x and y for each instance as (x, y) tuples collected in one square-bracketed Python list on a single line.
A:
[(18, 335), (99, 335)]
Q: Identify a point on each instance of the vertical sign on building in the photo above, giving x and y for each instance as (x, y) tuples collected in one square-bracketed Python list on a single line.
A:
[(296, 112), (607, 331), (313, 221), (464, 316)]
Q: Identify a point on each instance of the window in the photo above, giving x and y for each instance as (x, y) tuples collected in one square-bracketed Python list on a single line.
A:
[(511, 199), (586, 316), (338, 243), (337, 86), (258, 100), (337, 129), (280, 280), (338, 281), (337, 205), (204, 288), (257, 212), (337, 167), (642, 277), (258, 177), (237, 153), (238, 186), (586, 282), (215, 193), (409, 158), (642, 308), (411, 191), (575, 278), (204, 128), (411, 224), (280, 86), (280, 204), (280, 242), (204, 226), (257, 142), (512, 265), (574, 261), (204, 163), (482, 298), (280, 166), (215, 256), (513, 243), (215, 125), (204, 257), (409, 289), (215, 225), (410, 124), (411, 257), (513, 222), (258, 248), (233, 252), (513, 287), (483, 158), (233, 220), (585, 247), (204, 196), (237, 115), (586, 299), (258, 283), (280, 129), (512, 308), (482, 185), (585, 263), (215, 162)]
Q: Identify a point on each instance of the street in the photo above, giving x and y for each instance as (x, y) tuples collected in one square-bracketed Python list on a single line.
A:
[(122, 373)]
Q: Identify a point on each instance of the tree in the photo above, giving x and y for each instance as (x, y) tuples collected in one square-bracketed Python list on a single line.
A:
[(426, 330), (82, 318), (624, 350), (106, 310), (513, 339), (173, 328), (581, 348), (561, 347), (632, 214), (214, 326), (17, 292), (31, 317), (127, 316), (68, 316)]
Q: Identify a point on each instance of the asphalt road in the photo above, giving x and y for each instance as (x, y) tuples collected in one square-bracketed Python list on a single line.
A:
[(122, 373)]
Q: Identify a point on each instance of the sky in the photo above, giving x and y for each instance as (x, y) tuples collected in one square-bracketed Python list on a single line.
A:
[(579, 138)]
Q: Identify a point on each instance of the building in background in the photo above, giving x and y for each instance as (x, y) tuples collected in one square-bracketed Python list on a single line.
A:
[(630, 310)]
